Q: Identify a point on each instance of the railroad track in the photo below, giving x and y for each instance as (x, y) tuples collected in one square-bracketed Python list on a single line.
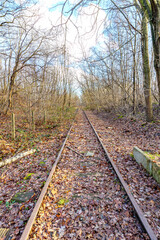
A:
[(85, 196)]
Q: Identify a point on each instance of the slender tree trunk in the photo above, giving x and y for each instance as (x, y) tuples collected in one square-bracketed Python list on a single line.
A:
[(69, 97), (134, 83), (12, 82), (146, 70), (134, 70), (64, 98), (158, 80), (10, 93), (155, 29)]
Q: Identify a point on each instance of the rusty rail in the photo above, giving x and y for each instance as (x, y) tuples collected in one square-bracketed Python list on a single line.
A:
[(138, 210), (32, 218)]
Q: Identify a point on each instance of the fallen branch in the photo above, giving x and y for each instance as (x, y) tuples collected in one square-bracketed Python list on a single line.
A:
[(13, 159), (75, 152)]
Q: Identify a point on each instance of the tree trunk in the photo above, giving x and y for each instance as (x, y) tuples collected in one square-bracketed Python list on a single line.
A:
[(64, 99), (69, 97), (134, 83), (146, 70), (155, 29), (11, 86)]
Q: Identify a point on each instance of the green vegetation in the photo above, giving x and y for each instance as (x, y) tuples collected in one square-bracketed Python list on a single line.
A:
[(28, 176), (120, 116), (62, 201), (155, 156), (43, 183), (42, 163), (27, 139), (9, 203), (131, 154)]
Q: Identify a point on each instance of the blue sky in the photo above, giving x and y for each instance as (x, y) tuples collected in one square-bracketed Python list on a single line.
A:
[(84, 31)]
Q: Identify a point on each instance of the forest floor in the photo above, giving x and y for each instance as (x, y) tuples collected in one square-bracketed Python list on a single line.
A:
[(77, 185), (119, 136), (85, 199), (25, 137), (28, 174)]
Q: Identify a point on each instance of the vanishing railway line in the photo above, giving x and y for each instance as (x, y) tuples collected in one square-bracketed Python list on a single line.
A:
[(85, 196)]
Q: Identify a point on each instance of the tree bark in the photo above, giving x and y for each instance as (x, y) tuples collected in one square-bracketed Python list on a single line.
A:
[(146, 69), (155, 29), (10, 93), (134, 82)]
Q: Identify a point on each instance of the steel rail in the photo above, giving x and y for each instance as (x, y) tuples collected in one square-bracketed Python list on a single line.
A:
[(138, 210), (32, 218)]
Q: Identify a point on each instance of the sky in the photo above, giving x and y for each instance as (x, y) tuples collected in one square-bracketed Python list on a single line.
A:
[(84, 30)]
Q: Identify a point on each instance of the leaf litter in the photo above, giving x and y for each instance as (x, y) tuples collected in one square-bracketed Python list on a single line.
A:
[(93, 203), (23, 177), (119, 136)]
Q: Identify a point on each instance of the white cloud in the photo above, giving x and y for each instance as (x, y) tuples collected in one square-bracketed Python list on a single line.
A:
[(73, 1), (90, 24), (48, 3), (84, 31)]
